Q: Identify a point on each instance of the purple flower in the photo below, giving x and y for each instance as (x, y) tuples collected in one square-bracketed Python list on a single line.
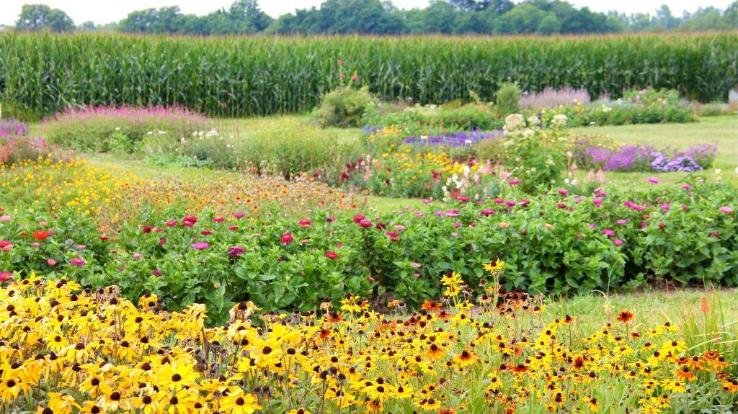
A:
[(200, 245), (455, 139), (235, 251)]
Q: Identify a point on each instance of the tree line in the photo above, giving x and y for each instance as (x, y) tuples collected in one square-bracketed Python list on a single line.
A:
[(382, 18)]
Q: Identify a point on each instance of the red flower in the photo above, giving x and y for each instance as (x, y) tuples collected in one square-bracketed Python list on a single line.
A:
[(147, 229), (41, 235), (189, 221), (304, 223), (218, 219), (104, 237), (5, 245), (5, 276), (171, 223), (393, 235), (330, 254), (364, 223), (286, 238), (358, 218)]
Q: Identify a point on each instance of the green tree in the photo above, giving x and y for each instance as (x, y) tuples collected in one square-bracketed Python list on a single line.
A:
[(36, 17), (439, 17), (549, 24)]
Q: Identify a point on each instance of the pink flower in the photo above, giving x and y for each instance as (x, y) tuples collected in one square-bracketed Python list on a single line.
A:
[(358, 218), (597, 201), (239, 214), (686, 186), (364, 223), (51, 262), (622, 221), (399, 227), (452, 213), (488, 212), (218, 219), (200, 245), (457, 224), (330, 254), (156, 272), (608, 232), (189, 221), (286, 238), (563, 192), (652, 180), (5, 276), (162, 241), (513, 181), (618, 242), (560, 205), (77, 261), (236, 251), (304, 223), (524, 202), (171, 223), (665, 207), (5, 245), (136, 256), (726, 210), (5, 218)]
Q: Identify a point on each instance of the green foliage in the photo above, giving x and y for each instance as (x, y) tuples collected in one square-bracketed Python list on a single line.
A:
[(345, 107), (257, 76), (428, 119), (39, 17), (553, 243), (508, 98), (119, 129)]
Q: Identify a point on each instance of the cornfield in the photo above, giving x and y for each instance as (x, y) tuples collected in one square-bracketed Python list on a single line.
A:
[(241, 76)]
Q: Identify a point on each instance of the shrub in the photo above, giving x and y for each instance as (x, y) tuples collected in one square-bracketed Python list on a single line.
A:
[(105, 129), (507, 98), (345, 107), (432, 119), (12, 127)]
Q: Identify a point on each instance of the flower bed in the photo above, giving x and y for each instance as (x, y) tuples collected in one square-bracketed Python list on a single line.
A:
[(554, 243), (66, 350)]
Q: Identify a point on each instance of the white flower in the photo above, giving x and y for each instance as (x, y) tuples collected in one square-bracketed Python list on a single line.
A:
[(533, 120), (514, 121), (559, 120), (527, 133)]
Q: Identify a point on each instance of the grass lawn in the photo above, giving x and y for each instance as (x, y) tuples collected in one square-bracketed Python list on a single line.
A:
[(721, 131)]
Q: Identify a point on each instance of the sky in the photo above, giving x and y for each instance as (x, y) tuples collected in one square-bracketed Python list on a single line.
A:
[(106, 11)]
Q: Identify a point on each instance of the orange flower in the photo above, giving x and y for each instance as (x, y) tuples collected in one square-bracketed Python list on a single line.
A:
[(625, 316), (41, 235)]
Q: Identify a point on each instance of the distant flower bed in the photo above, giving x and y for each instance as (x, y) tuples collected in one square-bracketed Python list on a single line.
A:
[(454, 139), (643, 158), (16, 145)]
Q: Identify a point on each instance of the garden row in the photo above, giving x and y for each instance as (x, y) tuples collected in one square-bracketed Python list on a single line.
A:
[(65, 350), (553, 243), (42, 73)]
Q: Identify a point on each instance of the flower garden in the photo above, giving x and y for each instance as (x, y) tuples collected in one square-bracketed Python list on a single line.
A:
[(371, 256)]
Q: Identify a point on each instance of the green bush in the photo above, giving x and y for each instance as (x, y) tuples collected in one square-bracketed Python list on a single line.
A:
[(345, 107), (508, 98), (426, 120), (119, 129)]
